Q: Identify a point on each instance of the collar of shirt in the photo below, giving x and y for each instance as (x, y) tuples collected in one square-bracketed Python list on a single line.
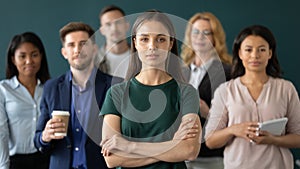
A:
[(198, 73), (89, 83), (15, 82), (203, 67)]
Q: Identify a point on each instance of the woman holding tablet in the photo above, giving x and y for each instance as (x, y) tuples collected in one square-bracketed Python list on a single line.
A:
[(256, 94)]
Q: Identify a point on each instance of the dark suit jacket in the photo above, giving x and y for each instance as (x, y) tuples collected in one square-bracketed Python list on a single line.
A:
[(57, 96), (216, 74)]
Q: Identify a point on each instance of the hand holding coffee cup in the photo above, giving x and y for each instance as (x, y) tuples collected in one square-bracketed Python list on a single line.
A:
[(63, 117), (54, 125)]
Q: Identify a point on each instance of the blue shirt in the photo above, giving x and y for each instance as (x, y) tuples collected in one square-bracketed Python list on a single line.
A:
[(19, 112), (83, 103)]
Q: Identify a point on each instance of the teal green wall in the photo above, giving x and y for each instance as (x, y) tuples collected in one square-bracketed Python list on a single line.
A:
[(46, 17)]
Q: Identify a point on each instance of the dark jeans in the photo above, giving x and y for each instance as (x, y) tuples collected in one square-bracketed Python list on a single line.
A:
[(30, 161)]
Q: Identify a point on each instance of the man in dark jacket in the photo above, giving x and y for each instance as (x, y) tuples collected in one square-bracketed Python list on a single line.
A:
[(81, 92)]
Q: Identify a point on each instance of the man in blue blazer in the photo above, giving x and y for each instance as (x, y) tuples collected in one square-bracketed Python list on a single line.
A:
[(81, 92)]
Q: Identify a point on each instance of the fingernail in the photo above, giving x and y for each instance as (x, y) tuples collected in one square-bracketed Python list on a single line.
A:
[(257, 133)]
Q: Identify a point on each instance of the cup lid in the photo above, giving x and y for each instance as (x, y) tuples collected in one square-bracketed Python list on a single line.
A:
[(60, 112)]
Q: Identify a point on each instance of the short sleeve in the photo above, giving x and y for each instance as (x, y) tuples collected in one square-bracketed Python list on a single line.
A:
[(112, 102), (189, 99)]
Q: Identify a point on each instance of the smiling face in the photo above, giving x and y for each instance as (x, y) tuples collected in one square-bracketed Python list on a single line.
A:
[(255, 54), (27, 58), (79, 50), (153, 43)]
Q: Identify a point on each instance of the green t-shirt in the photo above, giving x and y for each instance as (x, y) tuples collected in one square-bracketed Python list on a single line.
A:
[(151, 113)]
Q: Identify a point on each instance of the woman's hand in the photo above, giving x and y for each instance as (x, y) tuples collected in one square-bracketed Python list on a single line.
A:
[(115, 143), (187, 129), (245, 130), (262, 137)]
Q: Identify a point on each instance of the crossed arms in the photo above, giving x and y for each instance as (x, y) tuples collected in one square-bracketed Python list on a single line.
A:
[(118, 151)]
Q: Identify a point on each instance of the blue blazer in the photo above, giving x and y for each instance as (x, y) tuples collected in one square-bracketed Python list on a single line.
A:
[(57, 96)]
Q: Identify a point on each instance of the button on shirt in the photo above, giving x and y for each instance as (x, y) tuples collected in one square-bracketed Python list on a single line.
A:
[(198, 73), (83, 103), (19, 112)]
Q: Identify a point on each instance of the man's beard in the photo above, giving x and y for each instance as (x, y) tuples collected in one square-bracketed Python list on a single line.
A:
[(83, 65)]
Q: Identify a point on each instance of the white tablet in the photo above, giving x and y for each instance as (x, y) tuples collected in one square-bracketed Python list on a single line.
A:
[(275, 126)]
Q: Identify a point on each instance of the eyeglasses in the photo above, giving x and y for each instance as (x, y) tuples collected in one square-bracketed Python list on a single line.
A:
[(196, 32)]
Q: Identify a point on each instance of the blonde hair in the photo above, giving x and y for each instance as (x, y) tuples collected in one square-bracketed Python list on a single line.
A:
[(219, 38)]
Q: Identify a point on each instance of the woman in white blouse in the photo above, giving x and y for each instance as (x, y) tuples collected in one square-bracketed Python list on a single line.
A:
[(20, 94), (256, 94)]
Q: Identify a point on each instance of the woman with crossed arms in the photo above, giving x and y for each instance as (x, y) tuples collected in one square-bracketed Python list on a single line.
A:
[(160, 132)]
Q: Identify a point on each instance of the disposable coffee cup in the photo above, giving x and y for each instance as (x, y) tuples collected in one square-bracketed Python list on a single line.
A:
[(64, 116)]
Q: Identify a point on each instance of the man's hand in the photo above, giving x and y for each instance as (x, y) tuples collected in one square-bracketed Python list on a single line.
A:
[(53, 126)]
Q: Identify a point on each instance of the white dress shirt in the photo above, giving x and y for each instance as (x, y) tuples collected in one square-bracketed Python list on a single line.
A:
[(198, 73)]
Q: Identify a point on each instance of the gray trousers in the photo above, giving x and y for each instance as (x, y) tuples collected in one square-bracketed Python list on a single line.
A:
[(206, 163)]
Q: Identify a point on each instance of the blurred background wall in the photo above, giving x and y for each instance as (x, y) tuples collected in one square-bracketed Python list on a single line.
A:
[(46, 17)]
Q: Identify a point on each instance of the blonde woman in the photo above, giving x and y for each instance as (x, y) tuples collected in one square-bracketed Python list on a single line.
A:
[(207, 65)]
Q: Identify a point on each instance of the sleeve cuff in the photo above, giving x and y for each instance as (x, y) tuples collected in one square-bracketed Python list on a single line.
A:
[(43, 143)]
